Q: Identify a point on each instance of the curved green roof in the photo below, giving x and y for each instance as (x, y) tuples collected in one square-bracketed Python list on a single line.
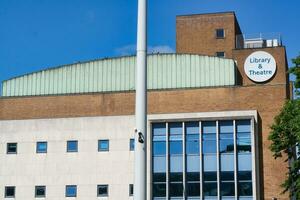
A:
[(165, 71)]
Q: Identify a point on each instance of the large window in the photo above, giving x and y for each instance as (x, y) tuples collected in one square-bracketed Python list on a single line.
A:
[(202, 160)]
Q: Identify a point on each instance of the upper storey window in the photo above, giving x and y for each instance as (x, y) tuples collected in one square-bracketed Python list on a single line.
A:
[(220, 33)]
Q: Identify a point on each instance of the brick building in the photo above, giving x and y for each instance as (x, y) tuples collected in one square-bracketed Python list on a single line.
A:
[(68, 132)]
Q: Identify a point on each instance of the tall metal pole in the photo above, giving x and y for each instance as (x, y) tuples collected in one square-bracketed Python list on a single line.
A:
[(141, 104)]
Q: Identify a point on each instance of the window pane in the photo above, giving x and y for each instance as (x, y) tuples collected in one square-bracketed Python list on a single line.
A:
[(159, 164), (193, 163), (176, 177), (220, 33), (245, 188), (159, 190), (130, 189), (193, 189), (175, 128), (72, 146), (210, 188), (10, 191), (176, 189), (102, 190), (175, 147), (159, 148), (192, 128), (192, 144), (103, 145), (40, 191), (71, 191), (227, 188), (41, 147), (131, 145), (159, 177), (209, 137), (11, 148), (159, 129), (193, 176), (176, 163), (210, 162)]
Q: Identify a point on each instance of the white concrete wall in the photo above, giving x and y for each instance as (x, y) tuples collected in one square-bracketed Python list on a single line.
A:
[(55, 169)]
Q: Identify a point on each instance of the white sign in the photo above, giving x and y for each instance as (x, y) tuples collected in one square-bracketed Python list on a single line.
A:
[(260, 66)]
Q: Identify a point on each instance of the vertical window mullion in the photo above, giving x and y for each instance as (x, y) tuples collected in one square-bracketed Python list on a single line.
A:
[(218, 160), (167, 161), (235, 161), (183, 160), (201, 161), (253, 158)]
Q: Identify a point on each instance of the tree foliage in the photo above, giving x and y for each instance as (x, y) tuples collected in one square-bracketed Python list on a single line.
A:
[(285, 136)]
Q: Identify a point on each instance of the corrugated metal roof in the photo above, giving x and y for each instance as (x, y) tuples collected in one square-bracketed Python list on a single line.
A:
[(165, 71)]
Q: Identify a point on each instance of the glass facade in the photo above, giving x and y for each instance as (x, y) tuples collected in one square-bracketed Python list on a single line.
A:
[(202, 160)]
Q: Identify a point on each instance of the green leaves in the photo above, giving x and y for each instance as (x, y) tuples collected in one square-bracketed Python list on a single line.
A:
[(285, 136), (296, 71)]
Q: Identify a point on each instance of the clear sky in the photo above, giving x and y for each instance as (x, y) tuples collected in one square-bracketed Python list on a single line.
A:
[(37, 34)]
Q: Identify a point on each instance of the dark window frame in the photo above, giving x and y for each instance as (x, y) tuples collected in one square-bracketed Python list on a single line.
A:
[(103, 195), (220, 33), (35, 191), (70, 195), (72, 151), (99, 146), (7, 148), (10, 196), (41, 142)]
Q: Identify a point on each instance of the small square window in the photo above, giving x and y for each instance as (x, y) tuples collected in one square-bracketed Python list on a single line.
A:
[(40, 191), (72, 146), (130, 189), (71, 191), (220, 33), (131, 144), (41, 147), (10, 191), (103, 145), (12, 148), (220, 54), (102, 190)]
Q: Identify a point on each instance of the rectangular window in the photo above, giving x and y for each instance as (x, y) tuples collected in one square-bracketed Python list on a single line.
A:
[(209, 151), (159, 159), (72, 146), (220, 54), (131, 145), (71, 191), (103, 145), (102, 190), (192, 159), (41, 147), (40, 191), (176, 159), (220, 33), (12, 148), (178, 145), (130, 189), (10, 191)]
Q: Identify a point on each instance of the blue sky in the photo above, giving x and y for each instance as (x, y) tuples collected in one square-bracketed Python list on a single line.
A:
[(37, 34)]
